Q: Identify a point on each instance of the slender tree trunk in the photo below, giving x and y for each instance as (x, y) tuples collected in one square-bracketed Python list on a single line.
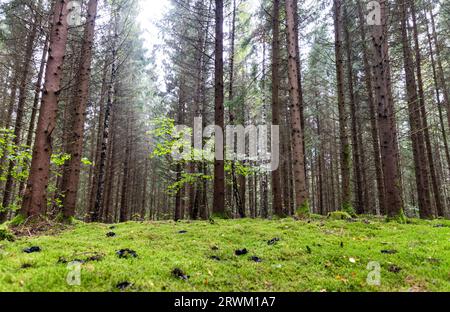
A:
[(438, 97), (106, 213), (143, 203), (29, 49), (345, 146), (178, 213), (301, 195), (4, 95), (95, 213), (299, 70), (368, 200), (37, 94), (35, 107), (264, 200), (235, 187), (373, 116), (12, 98), (124, 207), (286, 166), (277, 203), (354, 121), (219, 170), (416, 127), (443, 82), (99, 141), (426, 132), (320, 160)]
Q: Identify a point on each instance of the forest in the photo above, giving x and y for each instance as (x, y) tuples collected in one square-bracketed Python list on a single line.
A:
[(239, 145)]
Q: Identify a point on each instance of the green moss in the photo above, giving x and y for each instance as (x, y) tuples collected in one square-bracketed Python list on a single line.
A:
[(401, 218), (66, 220), (348, 208), (18, 220), (224, 215), (339, 215), (422, 254), (304, 210), (5, 234)]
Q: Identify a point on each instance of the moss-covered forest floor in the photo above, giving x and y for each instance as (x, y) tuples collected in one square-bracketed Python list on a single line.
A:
[(282, 255)]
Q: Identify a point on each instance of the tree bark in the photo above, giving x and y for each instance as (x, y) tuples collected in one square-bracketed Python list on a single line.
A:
[(26, 65), (345, 146), (373, 116), (354, 121), (71, 174), (301, 195), (99, 141), (95, 213), (219, 170), (443, 83), (438, 97), (386, 122), (416, 126), (35, 199), (277, 203), (423, 111)]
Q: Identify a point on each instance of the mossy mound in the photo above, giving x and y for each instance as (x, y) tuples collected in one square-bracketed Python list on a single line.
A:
[(5, 234), (339, 215)]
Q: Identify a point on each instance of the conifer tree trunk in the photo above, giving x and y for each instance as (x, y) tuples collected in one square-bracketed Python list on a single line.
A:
[(26, 64), (71, 175), (354, 122), (299, 70), (372, 114), (12, 97), (96, 209), (178, 212), (438, 96), (35, 107), (386, 115), (99, 141), (35, 199), (345, 146), (237, 193), (301, 195), (416, 126), (443, 82), (320, 160), (106, 212), (124, 205), (264, 200), (423, 111), (277, 203), (219, 169), (143, 210)]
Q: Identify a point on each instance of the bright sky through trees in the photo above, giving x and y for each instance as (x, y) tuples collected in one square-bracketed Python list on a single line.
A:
[(151, 12)]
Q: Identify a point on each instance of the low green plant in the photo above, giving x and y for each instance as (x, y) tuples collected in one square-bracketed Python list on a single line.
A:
[(304, 210), (6, 234), (339, 215)]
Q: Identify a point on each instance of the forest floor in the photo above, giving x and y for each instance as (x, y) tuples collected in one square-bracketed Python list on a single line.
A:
[(317, 255)]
